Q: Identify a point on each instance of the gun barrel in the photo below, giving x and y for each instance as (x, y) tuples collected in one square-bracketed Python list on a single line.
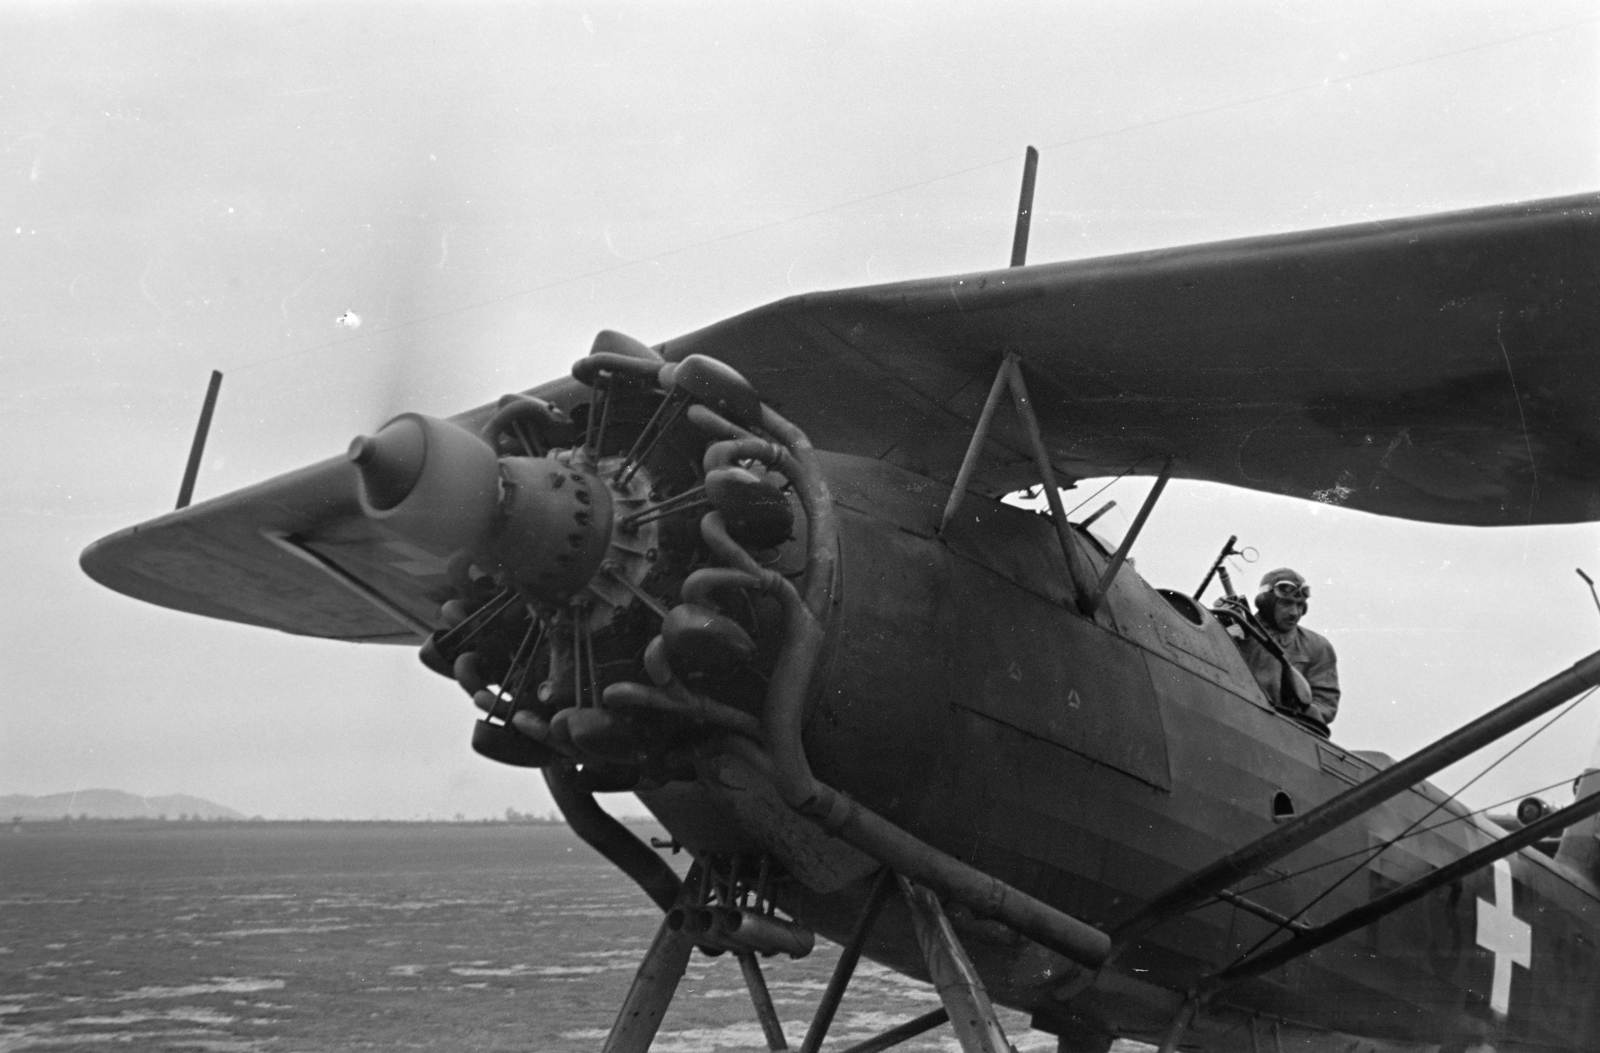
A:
[(1218, 569)]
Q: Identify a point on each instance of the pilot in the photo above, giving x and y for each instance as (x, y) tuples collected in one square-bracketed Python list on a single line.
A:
[(1313, 679)]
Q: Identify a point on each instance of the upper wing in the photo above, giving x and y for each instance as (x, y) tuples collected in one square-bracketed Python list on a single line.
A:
[(1441, 368), (293, 553)]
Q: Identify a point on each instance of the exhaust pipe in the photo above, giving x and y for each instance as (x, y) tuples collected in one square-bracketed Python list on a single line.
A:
[(742, 931)]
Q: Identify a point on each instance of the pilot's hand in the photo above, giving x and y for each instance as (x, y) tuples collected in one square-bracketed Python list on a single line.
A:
[(1236, 607), (1300, 699)]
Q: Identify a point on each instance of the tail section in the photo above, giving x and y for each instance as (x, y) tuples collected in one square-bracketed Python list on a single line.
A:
[(1580, 843)]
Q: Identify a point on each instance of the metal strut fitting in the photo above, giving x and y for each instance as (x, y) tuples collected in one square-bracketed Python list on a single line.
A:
[(1009, 376)]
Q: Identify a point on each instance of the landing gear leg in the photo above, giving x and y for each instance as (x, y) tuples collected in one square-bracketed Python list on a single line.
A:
[(882, 888), (972, 1015), (765, 1012), (651, 993), (1179, 1026)]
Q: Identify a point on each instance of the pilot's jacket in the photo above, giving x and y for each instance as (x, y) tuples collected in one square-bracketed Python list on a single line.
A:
[(1311, 654)]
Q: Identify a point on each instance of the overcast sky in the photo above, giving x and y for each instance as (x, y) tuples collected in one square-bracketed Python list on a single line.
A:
[(189, 187)]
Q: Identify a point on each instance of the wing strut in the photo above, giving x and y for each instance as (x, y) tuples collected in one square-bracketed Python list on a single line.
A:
[(1132, 535), (1010, 376), (1211, 880)]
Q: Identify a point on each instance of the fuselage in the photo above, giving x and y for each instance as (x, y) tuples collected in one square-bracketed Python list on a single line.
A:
[(1094, 763)]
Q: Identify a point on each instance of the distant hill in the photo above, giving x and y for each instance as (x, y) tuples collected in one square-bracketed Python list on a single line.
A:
[(111, 804)]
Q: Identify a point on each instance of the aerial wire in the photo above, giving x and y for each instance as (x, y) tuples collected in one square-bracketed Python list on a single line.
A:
[(944, 177)]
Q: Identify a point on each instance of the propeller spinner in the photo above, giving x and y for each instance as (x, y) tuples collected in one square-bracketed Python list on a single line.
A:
[(544, 522)]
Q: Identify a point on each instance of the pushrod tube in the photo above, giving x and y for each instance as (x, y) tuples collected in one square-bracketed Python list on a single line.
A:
[(1390, 782)]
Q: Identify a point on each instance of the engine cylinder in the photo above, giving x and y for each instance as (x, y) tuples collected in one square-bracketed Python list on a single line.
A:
[(508, 746)]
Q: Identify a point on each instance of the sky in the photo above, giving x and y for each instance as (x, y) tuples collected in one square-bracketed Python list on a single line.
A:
[(190, 187)]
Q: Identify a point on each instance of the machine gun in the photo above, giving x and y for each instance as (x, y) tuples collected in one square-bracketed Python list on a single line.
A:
[(1220, 570), (1234, 610)]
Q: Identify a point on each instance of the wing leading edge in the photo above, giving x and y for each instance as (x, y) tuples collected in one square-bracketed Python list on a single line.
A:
[(293, 553), (1441, 369)]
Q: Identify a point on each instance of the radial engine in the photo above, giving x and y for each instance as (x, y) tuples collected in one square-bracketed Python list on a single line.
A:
[(623, 576)]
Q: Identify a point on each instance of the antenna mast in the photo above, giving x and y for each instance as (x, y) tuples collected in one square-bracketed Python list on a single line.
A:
[(1019, 241)]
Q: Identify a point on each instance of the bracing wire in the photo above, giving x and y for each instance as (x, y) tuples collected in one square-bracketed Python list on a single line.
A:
[(1109, 485), (1378, 850), (1454, 819)]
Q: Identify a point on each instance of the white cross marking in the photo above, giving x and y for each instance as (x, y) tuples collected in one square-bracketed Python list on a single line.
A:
[(1508, 936)]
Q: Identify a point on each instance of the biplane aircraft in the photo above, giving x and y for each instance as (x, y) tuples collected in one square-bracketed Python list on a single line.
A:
[(761, 576)]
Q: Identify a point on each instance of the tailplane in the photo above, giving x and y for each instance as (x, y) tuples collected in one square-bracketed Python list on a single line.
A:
[(1580, 842)]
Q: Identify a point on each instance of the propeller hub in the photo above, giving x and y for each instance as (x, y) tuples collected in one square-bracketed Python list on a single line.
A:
[(556, 525)]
